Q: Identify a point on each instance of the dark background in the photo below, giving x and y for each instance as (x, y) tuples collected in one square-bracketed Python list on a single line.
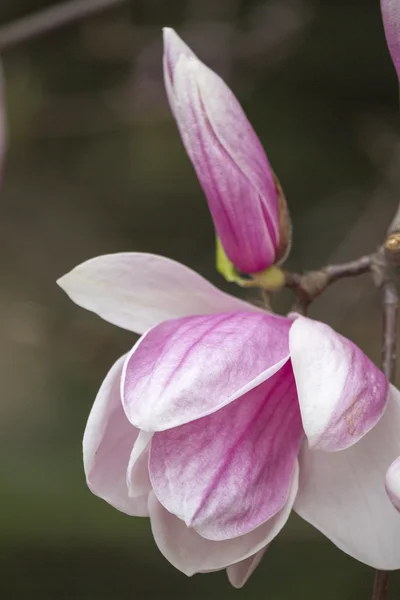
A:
[(95, 165)]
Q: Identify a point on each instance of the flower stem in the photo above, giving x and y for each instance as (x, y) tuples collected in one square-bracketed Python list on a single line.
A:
[(381, 585), (390, 302)]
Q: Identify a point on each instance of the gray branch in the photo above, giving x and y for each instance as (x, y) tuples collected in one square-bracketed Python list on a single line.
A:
[(51, 18)]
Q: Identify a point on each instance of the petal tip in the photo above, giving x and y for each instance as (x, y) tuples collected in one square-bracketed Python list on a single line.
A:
[(169, 32), (169, 35), (174, 45), (61, 282)]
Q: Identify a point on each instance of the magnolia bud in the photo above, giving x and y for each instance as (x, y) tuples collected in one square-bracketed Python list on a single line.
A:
[(231, 165)]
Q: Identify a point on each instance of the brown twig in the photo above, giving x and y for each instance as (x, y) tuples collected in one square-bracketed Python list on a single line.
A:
[(390, 302), (381, 585), (312, 284), (50, 18)]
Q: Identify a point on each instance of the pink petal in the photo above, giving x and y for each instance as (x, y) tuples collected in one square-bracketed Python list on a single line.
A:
[(137, 475), (343, 493), (226, 474), (188, 368), (190, 553), (137, 291), (238, 138), (227, 155), (246, 220), (239, 573), (393, 483), (391, 22), (107, 445), (342, 394)]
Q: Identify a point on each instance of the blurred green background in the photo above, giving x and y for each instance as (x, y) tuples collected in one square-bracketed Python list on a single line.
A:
[(95, 165)]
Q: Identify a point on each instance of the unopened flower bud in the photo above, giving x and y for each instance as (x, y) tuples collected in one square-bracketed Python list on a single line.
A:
[(233, 170)]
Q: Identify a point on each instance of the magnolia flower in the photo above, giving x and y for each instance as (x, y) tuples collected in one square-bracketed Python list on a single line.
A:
[(223, 417), (249, 215), (391, 22)]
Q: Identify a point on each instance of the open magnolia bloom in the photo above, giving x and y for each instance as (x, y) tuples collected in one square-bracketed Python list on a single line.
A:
[(223, 418)]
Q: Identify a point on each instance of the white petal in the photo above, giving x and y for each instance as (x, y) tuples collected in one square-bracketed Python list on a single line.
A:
[(239, 573), (107, 445), (343, 493), (393, 483), (190, 553), (137, 475), (342, 394), (137, 291), (174, 47)]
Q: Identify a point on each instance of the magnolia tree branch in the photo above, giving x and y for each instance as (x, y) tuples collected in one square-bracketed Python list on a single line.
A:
[(50, 18), (381, 265), (381, 585), (390, 301), (312, 284)]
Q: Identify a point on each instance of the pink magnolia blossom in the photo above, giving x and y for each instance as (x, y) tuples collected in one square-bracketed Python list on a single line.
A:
[(223, 417), (229, 160), (391, 22)]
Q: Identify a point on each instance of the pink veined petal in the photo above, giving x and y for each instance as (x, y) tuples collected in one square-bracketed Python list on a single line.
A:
[(342, 394), (184, 369), (246, 221), (224, 147), (239, 573), (226, 474), (391, 22), (190, 553), (235, 133), (137, 475), (392, 483), (137, 291), (107, 445), (343, 493)]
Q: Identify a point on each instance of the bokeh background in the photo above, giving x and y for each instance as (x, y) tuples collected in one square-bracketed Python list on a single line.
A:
[(95, 165)]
